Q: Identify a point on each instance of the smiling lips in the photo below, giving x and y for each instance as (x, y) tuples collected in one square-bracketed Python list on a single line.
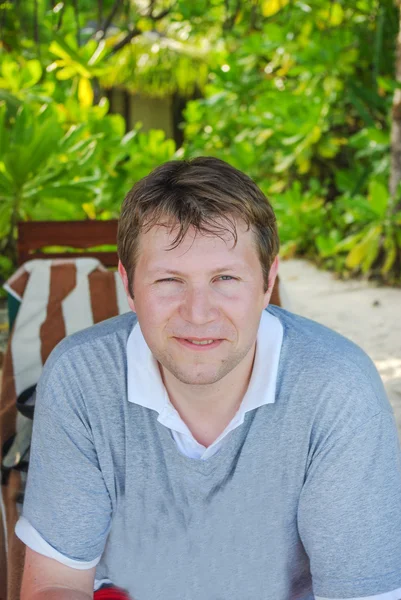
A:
[(199, 343)]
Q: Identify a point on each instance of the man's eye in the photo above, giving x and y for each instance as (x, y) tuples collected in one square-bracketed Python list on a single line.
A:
[(167, 279), (226, 278)]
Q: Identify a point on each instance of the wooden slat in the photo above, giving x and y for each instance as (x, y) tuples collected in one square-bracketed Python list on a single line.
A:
[(77, 234), (108, 259), (36, 235)]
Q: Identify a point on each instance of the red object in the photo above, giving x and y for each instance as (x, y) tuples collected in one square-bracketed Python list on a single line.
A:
[(110, 593)]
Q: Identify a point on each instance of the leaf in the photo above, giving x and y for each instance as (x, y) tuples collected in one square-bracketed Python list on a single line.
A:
[(391, 255), (294, 139), (379, 136), (378, 197), (326, 245), (315, 135), (263, 136), (98, 54), (31, 73), (271, 7), (90, 209), (66, 73), (85, 92), (277, 187), (328, 147), (11, 73), (285, 163), (3, 129), (336, 14), (92, 146), (55, 208), (364, 253), (349, 242), (288, 250), (83, 143), (5, 216), (68, 191), (359, 106), (304, 165), (23, 127), (388, 84), (372, 253), (61, 49), (71, 137), (44, 143), (12, 101)]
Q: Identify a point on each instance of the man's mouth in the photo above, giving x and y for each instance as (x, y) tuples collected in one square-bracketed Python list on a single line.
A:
[(199, 343)]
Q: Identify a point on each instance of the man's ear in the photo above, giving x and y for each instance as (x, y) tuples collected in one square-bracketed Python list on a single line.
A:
[(272, 278), (124, 278)]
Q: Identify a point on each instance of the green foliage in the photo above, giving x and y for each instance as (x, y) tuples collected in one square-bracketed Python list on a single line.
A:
[(162, 55), (296, 94), (301, 104), (48, 171), (71, 161), (371, 232), (299, 217)]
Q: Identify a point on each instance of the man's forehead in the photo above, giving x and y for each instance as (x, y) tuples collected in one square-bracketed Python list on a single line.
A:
[(165, 234), (168, 269), (216, 251)]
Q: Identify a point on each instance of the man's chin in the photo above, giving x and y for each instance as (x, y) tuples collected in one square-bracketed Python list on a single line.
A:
[(201, 379), (193, 377)]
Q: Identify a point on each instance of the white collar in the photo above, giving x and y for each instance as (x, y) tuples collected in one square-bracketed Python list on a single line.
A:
[(145, 386)]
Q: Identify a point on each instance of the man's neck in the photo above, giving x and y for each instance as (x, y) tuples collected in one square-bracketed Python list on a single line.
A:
[(208, 409)]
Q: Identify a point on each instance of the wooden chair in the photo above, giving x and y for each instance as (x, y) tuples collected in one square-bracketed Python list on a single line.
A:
[(81, 237), (84, 236), (84, 239)]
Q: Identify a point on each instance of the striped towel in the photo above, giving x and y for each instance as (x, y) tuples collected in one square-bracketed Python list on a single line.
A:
[(58, 298)]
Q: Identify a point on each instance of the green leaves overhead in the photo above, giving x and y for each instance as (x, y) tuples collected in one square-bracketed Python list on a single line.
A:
[(49, 173), (297, 94), (318, 78)]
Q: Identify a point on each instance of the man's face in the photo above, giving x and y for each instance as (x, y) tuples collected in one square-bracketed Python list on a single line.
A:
[(199, 305)]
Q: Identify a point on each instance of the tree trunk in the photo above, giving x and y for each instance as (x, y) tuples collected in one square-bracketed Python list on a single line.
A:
[(395, 168)]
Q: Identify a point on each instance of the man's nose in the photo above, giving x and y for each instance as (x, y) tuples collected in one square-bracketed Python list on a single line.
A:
[(198, 306)]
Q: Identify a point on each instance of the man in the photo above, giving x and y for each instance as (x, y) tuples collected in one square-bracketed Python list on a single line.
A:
[(209, 446)]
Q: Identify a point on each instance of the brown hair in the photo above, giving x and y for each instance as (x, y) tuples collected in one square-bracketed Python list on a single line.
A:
[(205, 193)]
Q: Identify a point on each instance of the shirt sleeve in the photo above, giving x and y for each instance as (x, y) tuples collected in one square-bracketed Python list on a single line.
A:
[(67, 507), (394, 595), (349, 514), (31, 538)]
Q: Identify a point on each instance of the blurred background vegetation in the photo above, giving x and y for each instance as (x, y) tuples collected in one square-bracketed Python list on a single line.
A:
[(302, 95)]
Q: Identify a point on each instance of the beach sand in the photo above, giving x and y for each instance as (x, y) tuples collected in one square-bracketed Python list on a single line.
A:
[(367, 314)]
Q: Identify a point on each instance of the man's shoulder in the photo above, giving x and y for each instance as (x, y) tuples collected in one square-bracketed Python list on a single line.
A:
[(320, 343), (322, 359)]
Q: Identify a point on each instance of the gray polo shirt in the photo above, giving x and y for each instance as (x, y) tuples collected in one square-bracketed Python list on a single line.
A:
[(303, 499)]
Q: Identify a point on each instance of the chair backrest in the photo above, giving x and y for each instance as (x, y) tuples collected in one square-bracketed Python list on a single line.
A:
[(34, 236)]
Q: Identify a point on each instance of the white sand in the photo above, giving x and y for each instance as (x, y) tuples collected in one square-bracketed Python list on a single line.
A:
[(369, 315)]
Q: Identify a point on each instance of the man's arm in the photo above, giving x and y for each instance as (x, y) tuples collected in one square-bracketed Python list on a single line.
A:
[(46, 579), (67, 508), (349, 514)]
